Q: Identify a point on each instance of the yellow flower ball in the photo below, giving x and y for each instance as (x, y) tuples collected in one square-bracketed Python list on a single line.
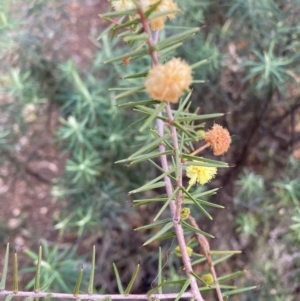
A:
[(185, 213), (167, 82), (208, 279), (165, 5), (120, 5), (200, 174)]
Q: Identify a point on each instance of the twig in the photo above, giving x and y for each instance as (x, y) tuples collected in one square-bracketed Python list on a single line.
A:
[(200, 149), (93, 296), (203, 242)]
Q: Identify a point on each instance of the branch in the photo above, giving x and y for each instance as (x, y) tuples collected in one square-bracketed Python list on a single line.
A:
[(203, 242), (174, 206), (93, 296)]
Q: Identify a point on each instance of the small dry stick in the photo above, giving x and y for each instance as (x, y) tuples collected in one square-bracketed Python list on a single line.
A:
[(200, 149), (203, 242)]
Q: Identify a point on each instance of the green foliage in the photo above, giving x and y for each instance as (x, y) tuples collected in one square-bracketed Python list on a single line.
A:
[(270, 212), (251, 52), (58, 268)]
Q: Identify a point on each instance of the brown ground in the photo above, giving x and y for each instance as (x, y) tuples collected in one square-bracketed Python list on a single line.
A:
[(27, 207)]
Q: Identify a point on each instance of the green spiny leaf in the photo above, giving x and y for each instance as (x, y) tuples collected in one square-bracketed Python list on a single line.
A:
[(216, 261), (206, 193), (177, 38), (237, 291), (15, 273), (78, 282), (126, 24), (187, 201), (136, 103), (152, 116), (133, 54), (128, 288), (166, 236), (148, 187), (165, 174), (137, 75), (4, 271), (199, 278), (195, 159), (117, 13), (135, 37), (231, 252), (151, 146), (183, 129), (188, 226), (196, 203), (200, 63), (159, 276), (130, 92), (120, 286), (200, 117), (153, 225), (230, 276), (152, 8), (144, 157), (158, 287), (167, 50), (133, 124), (162, 209), (148, 201), (38, 271), (167, 227), (183, 289), (213, 287), (92, 273)]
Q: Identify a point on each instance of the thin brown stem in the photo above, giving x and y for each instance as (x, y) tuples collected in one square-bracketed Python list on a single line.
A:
[(200, 149), (92, 296), (203, 242)]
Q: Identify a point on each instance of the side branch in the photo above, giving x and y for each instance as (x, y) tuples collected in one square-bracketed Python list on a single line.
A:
[(204, 244), (92, 296)]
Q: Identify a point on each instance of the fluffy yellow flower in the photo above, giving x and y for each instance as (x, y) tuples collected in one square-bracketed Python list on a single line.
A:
[(200, 174), (120, 5), (165, 5), (167, 82), (219, 139)]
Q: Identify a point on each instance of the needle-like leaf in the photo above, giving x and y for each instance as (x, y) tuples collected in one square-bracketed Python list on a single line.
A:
[(118, 278), (38, 271), (92, 273), (78, 282), (128, 288), (15, 273), (4, 271)]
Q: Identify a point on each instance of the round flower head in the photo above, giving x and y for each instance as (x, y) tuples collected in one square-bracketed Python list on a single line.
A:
[(200, 174), (165, 5), (208, 279), (120, 5), (219, 139), (167, 82), (185, 213)]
